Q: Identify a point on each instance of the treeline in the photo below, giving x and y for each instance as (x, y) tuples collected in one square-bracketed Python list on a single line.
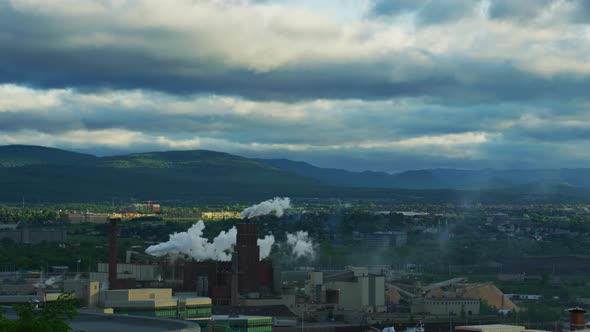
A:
[(31, 216)]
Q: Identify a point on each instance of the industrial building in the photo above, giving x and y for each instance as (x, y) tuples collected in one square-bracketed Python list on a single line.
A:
[(87, 291), (147, 206), (219, 215), (483, 291), (445, 306), (139, 272), (354, 289), (77, 217), (492, 328), (239, 323), (577, 323), (243, 280), (156, 302), (246, 276)]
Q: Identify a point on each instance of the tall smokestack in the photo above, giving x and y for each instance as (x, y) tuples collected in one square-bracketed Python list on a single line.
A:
[(234, 279), (113, 251), (248, 257), (577, 321)]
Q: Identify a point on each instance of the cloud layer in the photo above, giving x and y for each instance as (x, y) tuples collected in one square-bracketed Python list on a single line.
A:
[(404, 84)]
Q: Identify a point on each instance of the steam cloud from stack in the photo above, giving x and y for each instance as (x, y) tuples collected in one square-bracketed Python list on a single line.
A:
[(193, 244), (49, 282), (276, 206), (301, 244)]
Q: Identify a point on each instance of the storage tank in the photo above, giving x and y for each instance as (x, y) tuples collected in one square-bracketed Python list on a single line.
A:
[(577, 321)]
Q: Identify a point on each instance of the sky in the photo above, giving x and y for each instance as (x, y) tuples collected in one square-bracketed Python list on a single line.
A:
[(384, 85)]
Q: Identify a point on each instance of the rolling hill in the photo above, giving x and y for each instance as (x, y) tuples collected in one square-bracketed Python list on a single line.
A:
[(51, 175), (45, 174), (27, 155), (486, 179), (420, 179)]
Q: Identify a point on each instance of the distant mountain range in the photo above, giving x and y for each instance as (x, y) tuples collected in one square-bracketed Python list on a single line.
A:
[(438, 178), (47, 174), (43, 174)]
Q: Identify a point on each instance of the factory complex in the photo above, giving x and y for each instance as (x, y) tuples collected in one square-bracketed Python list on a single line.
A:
[(245, 292)]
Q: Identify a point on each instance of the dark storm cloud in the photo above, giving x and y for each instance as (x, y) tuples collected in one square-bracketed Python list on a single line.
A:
[(37, 51), (456, 88), (341, 123), (582, 12), (578, 11), (550, 132), (128, 69), (435, 12), (122, 69), (520, 10)]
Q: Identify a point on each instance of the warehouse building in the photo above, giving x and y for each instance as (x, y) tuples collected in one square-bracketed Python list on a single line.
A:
[(445, 306), (484, 291)]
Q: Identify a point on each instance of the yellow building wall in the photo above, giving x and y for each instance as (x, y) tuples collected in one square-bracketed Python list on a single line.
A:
[(146, 294), (198, 301)]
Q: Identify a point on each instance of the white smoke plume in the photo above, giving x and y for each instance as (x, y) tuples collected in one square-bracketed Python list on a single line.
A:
[(265, 246), (301, 244), (193, 244), (49, 282), (276, 205)]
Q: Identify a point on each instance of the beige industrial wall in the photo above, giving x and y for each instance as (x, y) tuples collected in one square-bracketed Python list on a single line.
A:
[(491, 328), (97, 218), (86, 291), (316, 277), (364, 291), (355, 295), (145, 297), (349, 293), (444, 307), (149, 294), (287, 299), (358, 271), (136, 271), (198, 301), (380, 294)]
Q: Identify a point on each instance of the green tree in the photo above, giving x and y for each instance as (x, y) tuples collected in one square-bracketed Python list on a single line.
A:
[(53, 317), (487, 309)]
